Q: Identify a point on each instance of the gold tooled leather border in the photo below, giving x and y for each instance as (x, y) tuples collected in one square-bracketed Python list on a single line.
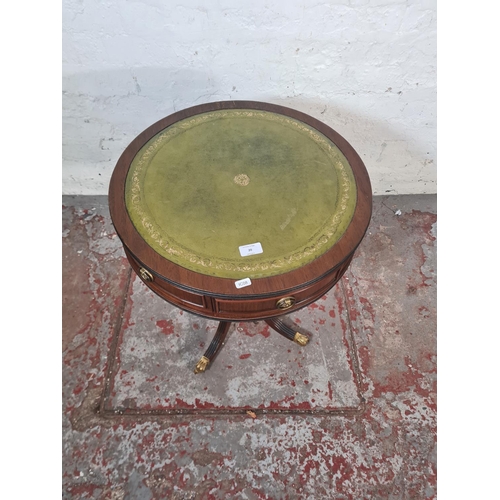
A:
[(183, 256)]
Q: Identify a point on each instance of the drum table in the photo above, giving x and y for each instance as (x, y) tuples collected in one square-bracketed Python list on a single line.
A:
[(239, 211)]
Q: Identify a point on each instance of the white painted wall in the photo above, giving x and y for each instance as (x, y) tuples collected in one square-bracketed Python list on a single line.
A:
[(367, 68)]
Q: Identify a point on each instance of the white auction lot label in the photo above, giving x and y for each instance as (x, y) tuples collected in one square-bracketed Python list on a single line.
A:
[(242, 283), (252, 249)]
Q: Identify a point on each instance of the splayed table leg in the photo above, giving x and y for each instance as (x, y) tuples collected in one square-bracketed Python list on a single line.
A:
[(214, 347), (287, 332)]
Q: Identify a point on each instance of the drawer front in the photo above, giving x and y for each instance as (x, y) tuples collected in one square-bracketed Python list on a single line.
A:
[(274, 306), (177, 296)]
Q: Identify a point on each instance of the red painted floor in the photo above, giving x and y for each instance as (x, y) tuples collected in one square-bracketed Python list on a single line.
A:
[(351, 416), (157, 347)]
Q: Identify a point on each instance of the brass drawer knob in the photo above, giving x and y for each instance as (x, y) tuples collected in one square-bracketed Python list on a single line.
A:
[(145, 274), (285, 302)]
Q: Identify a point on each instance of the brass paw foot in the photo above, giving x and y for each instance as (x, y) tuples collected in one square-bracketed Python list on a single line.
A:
[(300, 339), (202, 365)]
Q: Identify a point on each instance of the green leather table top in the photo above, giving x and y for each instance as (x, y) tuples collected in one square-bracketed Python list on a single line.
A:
[(209, 184)]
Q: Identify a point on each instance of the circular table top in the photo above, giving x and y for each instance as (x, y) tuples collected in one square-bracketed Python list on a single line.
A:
[(240, 189), (212, 183)]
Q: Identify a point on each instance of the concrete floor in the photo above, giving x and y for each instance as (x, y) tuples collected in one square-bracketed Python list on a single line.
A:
[(350, 416)]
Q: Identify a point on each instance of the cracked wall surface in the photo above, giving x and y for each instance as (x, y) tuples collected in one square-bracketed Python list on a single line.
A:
[(367, 68)]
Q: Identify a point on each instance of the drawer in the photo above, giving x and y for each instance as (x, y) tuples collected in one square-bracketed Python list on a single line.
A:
[(273, 306), (188, 298), (177, 296)]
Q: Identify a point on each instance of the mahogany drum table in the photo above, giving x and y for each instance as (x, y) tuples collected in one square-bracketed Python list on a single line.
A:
[(240, 210)]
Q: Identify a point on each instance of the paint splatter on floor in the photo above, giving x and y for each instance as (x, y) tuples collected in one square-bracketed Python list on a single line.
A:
[(385, 368)]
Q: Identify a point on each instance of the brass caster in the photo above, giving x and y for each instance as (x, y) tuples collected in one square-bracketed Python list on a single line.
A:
[(202, 365), (300, 339)]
